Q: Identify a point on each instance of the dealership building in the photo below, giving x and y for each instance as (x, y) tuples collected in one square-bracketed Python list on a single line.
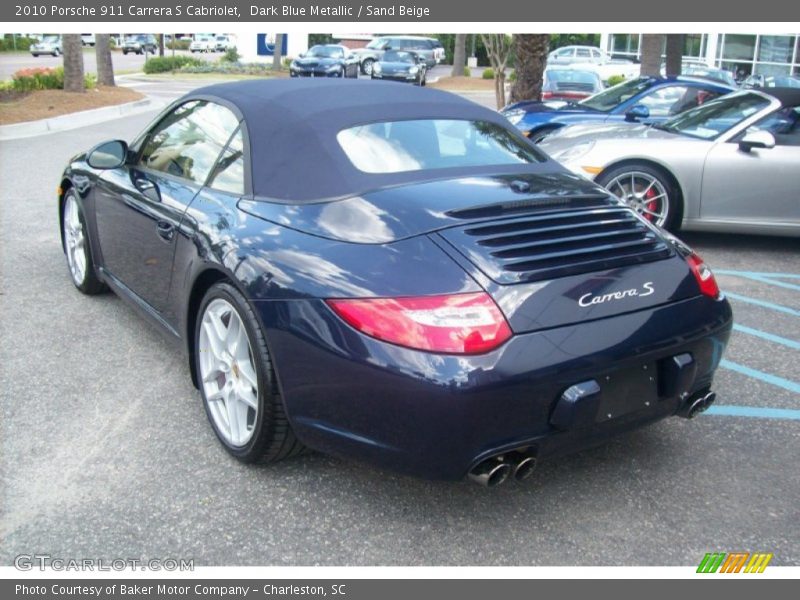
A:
[(739, 53)]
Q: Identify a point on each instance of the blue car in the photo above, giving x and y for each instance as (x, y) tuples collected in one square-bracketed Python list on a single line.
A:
[(645, 99), (392, 274)]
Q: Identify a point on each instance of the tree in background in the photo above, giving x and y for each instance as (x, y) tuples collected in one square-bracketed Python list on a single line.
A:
[(459, 55), (675, 43), (161, 44), (531, 59), (499, 47), (276, 54), (652, 47), (105, 68), (73, 62)]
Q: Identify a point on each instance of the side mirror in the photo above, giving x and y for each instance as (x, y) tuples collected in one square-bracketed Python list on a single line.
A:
[(301, 55), (637, 112), (756, 139), (108, 155)]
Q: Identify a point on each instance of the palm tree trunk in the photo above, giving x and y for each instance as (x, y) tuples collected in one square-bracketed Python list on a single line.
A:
[(73, 62), (105, 68), (674, 53), (459, 55), (531, 60), (652, 47), (276, 55), (161, 44)]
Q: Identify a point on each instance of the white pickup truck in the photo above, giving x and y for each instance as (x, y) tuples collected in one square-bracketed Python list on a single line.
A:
[(591, 58)]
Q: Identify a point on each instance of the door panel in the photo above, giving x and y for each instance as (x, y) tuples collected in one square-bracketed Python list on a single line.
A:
[(759, 185), (137, 215)]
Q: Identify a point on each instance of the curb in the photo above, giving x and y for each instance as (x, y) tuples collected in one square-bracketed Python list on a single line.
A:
[(77, 119)]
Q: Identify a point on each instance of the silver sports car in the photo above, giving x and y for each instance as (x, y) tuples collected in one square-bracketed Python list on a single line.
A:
[(731, 164)]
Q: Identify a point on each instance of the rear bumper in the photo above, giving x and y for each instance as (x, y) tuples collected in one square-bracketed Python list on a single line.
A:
[(437, 416)]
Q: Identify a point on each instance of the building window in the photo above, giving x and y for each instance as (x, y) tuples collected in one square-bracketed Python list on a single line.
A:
[(775, 48)]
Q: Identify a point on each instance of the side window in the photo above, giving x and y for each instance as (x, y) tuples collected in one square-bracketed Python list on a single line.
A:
[(672, 100), (187, 142), (784, 124), (583, 53), (228, 173)]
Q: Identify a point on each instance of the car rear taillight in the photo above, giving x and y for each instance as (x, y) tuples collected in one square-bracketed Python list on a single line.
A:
[(452, 324), (705, 278)]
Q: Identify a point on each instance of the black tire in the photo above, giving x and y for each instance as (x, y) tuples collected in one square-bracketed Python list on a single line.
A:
[(673, 201), (91, 284), (273, 438), (125, 52), (366, 66)]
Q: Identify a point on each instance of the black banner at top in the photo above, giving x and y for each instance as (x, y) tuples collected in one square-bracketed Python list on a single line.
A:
[(442, 11)]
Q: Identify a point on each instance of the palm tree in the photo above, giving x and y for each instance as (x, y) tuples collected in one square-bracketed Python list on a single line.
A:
[(276, 54), (499, 47), (459, 55), (531, 60), (652, 48), (674, 53), (105, 68), (73, 62)]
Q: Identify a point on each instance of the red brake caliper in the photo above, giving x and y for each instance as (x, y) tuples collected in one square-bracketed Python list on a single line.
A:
[(651, 204)]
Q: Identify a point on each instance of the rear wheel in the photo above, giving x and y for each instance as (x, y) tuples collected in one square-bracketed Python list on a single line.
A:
[(237, 380), (647, 190), (76, 247)]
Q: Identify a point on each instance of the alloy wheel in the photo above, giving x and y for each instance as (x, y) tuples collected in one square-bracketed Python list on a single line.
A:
[(644, 193), (228, 373), (75, 240)]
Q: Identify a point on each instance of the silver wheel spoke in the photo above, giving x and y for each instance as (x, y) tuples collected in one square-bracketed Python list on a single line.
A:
[(227, 371)]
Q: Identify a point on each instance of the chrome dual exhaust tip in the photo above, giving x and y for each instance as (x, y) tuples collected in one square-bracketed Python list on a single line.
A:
[(698, 405), (496, 470)]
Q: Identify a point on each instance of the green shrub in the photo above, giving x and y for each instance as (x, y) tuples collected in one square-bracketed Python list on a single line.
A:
[(163, 64), (287, 62), (225, 68), (467, 72), (513, 76), (488, 74), (90, 81), (231, 55), (615, 79), (20, 43), (178, 44)]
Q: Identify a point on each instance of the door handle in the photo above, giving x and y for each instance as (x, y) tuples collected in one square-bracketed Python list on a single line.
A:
[(165, 230)]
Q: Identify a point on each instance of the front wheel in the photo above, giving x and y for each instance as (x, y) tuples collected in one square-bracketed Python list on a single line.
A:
[(366, 66), (237, 380), (648, 191), (76, 247)]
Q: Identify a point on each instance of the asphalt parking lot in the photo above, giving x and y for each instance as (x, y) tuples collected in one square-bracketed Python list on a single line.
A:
[(107, 452)]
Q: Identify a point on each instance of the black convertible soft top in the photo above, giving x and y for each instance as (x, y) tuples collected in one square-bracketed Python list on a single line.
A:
[(292, 126)]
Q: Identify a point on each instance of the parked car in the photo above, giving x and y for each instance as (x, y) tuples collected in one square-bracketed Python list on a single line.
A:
[(589, 58), (408, 281), (223, 43), (430, 48), (87, 39), (645, 99), (203, 43), (140, 44), (325, 60), (732, 164), (50, 44), (565, 83), (400, 65), (771, 81), (719, 75)]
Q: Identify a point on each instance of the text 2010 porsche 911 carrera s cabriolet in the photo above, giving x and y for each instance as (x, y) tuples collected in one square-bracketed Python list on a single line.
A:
[(392, 274)]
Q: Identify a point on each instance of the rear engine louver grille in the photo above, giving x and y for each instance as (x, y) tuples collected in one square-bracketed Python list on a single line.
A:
[(558, 244)]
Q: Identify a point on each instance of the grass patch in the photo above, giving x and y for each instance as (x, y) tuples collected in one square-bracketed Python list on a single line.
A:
[(19, 107)]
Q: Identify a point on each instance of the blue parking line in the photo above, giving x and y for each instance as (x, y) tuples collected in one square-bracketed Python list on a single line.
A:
[(764, 304), (757, 274), (768, 278), (771, 337), (754, 411), (786, 384)]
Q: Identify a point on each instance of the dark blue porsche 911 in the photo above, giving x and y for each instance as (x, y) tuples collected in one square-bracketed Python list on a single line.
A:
[(392, 274)]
